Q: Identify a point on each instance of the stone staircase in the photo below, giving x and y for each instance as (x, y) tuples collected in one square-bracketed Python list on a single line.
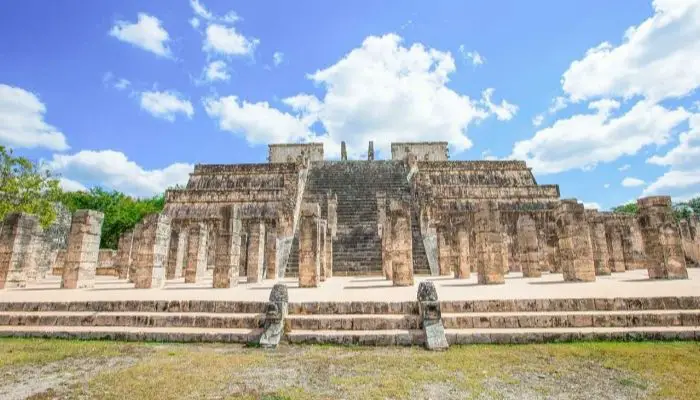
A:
[(364, 323), (357, 247)]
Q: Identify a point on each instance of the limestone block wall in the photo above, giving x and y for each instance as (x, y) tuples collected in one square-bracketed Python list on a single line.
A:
[(424, 151), (80, 264), (53, 238), (288, 153)]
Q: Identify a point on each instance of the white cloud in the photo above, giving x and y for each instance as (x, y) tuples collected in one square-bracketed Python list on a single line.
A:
[(122, 84), (683, 178), (201, 11), (257, 122), (658, 59), (632, 182), (537, 120), (22, 121), (147, 33), (216, 71), (380, 91), (584, 140), (166, 105), (592, 206), (278, 58), (486, 155), (607, 185), (112, 169), (69, 185), (194, 21), (223, 40), (472, 56), (624, 167), (558, 103), (504, 111)]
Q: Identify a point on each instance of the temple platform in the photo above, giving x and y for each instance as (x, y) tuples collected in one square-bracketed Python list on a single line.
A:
[(627, 284)]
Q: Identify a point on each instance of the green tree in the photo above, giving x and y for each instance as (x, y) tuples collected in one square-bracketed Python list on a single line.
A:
[(629, 208), (25, 186), (121, 212)]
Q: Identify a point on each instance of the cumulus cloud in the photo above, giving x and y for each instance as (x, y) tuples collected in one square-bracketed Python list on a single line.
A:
[(584, 140), (624, 167), (537, 120), (216, 71), (194, 22), (22, 121), (166, 105), (69, 185), (113, 170), (632, 182), (607, 185), (201, 11), (227, 41), (147, 34), (683, 178), (380, 91), (592, 206)]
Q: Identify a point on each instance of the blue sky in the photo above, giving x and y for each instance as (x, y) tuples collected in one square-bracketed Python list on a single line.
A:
[(599, 97)]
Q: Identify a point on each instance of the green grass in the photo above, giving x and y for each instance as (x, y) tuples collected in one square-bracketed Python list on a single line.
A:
[(666, 370)]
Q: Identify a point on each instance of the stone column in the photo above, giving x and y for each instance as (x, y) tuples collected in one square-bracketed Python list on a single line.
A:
[(196, 252), (461, 250), (57, 269), (552, 246), (80, 261), (329, 254), (212, 234), (383, 231), (177, 254), (270, 251), (228, 252), (689, 248), (122, 260), (343, 152), (323, 246), (370, 151), (599, 244), (662, 241), (528, 246), (399, 216), (489, 245), (632, 243), (151, 258), (505, 250), (256, 251), (32, 260), (15, 241), (446, 258), (574, 242), (309, 246), (616, 259), (332, 214)]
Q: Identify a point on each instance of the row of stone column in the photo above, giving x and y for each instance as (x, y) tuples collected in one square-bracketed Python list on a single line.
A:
[(587, 243)]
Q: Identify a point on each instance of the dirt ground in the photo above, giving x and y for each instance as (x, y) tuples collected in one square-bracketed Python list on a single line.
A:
[(61, 369)]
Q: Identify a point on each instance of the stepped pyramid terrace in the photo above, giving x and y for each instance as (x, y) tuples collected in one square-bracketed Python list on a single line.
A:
[(416, 249)]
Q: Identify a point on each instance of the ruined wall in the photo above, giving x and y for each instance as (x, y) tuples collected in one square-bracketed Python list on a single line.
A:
[(424, 151), (288, 153)]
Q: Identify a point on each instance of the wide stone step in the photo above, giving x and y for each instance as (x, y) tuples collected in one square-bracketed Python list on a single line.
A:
[(353, 322), (142, 319), (537, 335), (572, 319)]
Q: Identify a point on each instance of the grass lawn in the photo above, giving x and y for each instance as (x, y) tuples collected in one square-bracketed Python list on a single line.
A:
[(48, 369)]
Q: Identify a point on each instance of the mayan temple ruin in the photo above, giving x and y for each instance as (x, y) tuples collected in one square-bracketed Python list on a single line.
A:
[(353, 240)]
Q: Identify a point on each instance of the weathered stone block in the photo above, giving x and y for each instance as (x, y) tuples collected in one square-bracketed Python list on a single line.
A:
[(662, 239), (196, 252), (310, 246), (489, 246), (401, 242), (16, 236), (528, 247), (80, 261), (226, 267), (574, 242), (256, 251), (150, 260)]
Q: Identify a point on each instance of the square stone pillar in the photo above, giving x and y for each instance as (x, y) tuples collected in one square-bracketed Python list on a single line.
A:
[(446, 258), (505, 250), (256, 251), (552, 245), (80, 262), (196, 252), (323, 245), (57, 268), (632, 243), (574, 242), (401, 239), (599, 244), (151, 258), (32, 259), (616, 258), (271, 251), (332, 214), (177, 254), (662, 239), (309, 246), (528, 246), (15, 243), (383, 232), (461, 250), (228, 252), (329, 254), (123, 260), (212, 234), (689, 248), (488, 244)]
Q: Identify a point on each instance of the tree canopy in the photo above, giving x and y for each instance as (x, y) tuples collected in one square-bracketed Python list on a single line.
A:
[(682, 209), (121, 212), (25, 186)]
